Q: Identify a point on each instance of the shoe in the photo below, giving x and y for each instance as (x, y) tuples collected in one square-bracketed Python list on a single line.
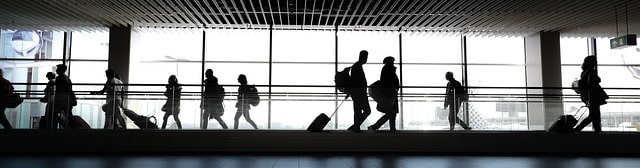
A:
[(467, 128), (371, 128), (354, 129)]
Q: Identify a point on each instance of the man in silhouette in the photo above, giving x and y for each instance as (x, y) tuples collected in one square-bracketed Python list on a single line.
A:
[(64, 99), (48, 99), (113, 89), (361, 109), (390, 85), (453, 99), (6, 88)]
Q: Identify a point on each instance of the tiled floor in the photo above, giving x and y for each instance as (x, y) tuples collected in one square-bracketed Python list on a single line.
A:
[(314, 161)]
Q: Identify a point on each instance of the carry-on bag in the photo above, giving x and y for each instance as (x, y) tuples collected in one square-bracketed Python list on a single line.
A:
[(322, 120), (143, 122), (78, 123), (566, 123)]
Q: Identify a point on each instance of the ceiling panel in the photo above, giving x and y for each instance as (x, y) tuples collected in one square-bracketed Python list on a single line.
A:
[(570, 17)]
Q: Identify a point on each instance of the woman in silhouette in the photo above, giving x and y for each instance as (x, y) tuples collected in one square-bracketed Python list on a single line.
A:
[(172, 106), (243, 102)]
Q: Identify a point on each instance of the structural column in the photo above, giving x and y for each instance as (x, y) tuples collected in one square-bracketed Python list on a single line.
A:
[(543, 73), (119, 51)]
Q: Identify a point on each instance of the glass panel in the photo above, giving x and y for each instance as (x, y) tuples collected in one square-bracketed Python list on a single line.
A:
[(573, 50), (237, 45), (90, 45), (495, 50), (430, 48)]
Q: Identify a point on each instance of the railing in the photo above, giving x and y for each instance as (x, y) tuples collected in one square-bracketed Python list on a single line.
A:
[(294, 107)]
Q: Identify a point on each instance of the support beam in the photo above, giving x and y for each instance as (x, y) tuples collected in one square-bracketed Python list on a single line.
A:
[(543, 69)]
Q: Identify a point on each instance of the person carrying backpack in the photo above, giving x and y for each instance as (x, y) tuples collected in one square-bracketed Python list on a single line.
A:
[(212, 99), (358, 92), (389, 84), (454, 96), (244, 102)]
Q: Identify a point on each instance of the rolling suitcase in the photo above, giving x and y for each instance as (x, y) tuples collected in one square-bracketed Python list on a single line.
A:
[(78, 123), (143, 122), (322, 120), (566, 123)]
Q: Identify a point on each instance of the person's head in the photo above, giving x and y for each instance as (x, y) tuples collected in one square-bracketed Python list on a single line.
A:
[(50, 75), (173, 79), (364, 54), (242, 79), (1, 73), (388, 60), (110, 73), (449, 76), (208, 73), (61, 69), (590, 62)]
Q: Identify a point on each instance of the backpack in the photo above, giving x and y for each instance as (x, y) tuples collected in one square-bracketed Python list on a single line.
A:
[(219, 93), (252, 95), (575, 86), (343, 80)]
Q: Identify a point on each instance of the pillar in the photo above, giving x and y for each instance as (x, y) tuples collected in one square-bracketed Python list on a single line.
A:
[(543, 70)]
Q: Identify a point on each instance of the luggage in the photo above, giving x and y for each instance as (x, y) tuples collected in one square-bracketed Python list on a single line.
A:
[(46, 123), (322, 120), (566, 123), (143, 122), (78, 123)]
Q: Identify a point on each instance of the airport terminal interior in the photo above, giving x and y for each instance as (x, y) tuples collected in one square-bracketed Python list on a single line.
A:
[(518, 62)]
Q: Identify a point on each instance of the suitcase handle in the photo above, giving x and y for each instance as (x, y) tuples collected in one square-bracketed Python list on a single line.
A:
[(334, 112)]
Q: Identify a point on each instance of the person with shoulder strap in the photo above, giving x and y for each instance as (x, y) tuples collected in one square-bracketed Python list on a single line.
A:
[(243, 104), (591, 94), (212, 99), (6, 88), (453, 99)]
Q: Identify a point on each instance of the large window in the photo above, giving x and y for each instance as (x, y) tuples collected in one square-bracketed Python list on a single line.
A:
[(303, 69), (230, 53), (26, 58), (155, 55), (497, 62), (426, 58)]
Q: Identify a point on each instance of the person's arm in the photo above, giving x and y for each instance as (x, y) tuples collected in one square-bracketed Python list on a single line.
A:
[(446, 96)]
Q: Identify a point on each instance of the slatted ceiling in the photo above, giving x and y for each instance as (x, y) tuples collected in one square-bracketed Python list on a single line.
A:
[(570, 17)]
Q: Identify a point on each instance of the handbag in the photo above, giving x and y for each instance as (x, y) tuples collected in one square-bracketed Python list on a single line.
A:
[(12, 100)]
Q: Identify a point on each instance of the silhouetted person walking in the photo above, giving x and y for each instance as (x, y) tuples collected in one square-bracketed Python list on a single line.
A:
[(112, 112), (172, 106), (64, 98), (212, 101), (6, 88), (361, 109), (390, 85), (591, 94), (48, 99), (453, 100), (243, 103)]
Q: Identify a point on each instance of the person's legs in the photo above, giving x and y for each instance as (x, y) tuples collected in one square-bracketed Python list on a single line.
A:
[(176, 111), (452, 117), (204, 119), (236, 118), (595, 118), (392, 121), (222, 123), (164, 119), (108, 121), (361, 111), (3, 119), (584, 122), (248, 118), (380, 121)]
